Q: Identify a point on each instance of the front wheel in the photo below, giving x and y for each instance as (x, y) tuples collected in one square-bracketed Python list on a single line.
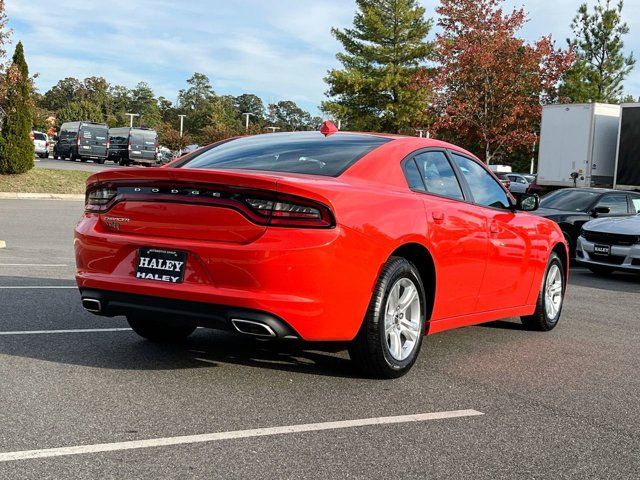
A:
[(549, 304), (390, 338), (159, 331)]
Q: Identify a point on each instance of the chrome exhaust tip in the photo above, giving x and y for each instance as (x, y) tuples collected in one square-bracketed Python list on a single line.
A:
[(249, 327), (92, 305)]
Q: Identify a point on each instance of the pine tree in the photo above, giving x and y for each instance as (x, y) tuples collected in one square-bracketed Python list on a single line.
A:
[(385, 52), (16, 146), (601, 65)]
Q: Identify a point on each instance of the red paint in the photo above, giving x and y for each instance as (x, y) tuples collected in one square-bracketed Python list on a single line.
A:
[(489, 263)]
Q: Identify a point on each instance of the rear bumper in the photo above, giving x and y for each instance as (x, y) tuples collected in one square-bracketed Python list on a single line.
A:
[(316, 282), (220, 317)]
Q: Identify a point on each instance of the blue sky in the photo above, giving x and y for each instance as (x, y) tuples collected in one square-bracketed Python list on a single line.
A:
[(278, 49)]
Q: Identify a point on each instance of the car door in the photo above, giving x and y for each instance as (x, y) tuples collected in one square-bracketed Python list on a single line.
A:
[(512, 246), (457, 233)]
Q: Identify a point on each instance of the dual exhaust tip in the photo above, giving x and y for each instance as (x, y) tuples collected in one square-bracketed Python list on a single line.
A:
[(246, 327), (249, 327)]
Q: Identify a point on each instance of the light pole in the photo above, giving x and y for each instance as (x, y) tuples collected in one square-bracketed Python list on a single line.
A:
[(246, 119), (181, 126), (131, 115)]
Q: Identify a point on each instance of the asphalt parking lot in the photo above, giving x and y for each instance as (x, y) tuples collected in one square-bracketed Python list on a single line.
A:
[(516, 403), (65, 164)]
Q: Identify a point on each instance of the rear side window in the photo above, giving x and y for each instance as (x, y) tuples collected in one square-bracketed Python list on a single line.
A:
[(635, 201), (39, 136), (617, 204), (484, 188), (438, 175), (301, 152)]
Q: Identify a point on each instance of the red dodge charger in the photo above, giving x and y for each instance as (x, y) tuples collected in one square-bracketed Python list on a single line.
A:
[(371, 239)]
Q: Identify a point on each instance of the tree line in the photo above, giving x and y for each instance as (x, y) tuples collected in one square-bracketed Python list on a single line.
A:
[(477, 84), (208, 117)]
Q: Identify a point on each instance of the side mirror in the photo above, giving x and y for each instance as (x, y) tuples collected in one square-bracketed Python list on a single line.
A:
[(600, 211), (528, 202)]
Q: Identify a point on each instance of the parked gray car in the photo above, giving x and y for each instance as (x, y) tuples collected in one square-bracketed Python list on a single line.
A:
[(519, 182), (609, 244)]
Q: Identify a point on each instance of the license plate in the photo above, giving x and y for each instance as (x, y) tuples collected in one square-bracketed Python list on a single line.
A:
[(161, 265), (87, 147), (602, 249)]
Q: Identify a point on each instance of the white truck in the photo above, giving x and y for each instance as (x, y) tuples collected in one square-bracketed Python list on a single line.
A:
[(578, 145), (627, 171)]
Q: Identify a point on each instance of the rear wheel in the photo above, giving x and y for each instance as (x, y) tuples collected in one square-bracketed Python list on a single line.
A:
[(390, 338), (601, 270), (100, 161), (550, 299), (159, 331), (72, 157)]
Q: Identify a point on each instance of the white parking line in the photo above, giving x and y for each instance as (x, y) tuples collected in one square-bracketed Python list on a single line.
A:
[(212, 437), (37, 287), (78, 330), (34, 265)]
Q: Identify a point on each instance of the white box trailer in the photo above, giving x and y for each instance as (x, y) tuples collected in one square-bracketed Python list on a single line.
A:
[(627, 171), (578, 140)]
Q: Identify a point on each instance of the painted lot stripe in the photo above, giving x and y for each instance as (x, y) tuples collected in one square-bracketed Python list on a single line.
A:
[(212, 437), (37, 287), (34, 265), (79, 330)]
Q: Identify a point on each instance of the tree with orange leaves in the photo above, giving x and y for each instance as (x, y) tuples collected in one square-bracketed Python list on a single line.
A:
[(490, 84)]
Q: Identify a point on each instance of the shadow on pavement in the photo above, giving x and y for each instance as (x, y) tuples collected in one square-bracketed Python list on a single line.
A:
[(617, 281)]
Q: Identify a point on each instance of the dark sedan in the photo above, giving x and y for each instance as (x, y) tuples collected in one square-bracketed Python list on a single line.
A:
[(571, 208)]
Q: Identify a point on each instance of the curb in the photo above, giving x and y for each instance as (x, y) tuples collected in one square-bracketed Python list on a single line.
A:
[(40, 196)]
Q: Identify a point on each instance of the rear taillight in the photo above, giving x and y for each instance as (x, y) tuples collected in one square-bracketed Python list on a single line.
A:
[(287, 212), (129, 145), (261, 207), (78, 140), (108, 144), (97, 199)]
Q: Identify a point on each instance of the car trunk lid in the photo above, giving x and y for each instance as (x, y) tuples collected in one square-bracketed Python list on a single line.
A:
[(183, 203)]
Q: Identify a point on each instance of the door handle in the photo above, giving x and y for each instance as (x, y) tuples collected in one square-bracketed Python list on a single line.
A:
[(438, 217), (493, 228)]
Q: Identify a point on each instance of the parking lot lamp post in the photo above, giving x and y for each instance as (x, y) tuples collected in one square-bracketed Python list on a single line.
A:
[(246, 119), (181, 127), (131, 115)]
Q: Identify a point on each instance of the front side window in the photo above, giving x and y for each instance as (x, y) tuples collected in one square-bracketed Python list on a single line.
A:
[(636, 204), (438, 175), (484, 188), (617, 204)]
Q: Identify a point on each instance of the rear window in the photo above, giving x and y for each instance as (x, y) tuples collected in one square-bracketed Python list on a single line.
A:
[(94, 131), (39, 136), (301, 152)]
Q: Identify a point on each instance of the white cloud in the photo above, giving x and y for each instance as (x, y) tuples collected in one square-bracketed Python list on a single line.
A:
[(277, 49)]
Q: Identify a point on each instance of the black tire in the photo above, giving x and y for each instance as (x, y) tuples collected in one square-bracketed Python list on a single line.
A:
[(72, 157), (83, 159), (570, 244), (101, 161), (159, 331), (541, 320), (601, 270), (369, 350)]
